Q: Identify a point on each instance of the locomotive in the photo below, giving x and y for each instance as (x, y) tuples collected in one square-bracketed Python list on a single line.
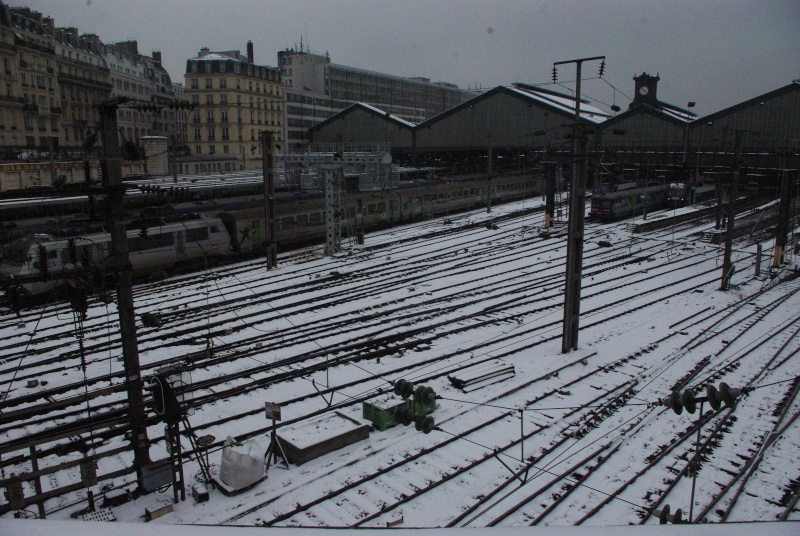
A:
[(40, 262)]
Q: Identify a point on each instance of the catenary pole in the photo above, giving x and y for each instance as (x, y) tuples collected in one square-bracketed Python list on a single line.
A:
[(577, 210), (112, 178)]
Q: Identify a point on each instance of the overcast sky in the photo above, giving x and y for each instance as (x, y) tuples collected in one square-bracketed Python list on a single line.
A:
[(715, 52)]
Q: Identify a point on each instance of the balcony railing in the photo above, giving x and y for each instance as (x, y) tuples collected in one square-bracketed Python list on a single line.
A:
[(85, 81), (10, 98)]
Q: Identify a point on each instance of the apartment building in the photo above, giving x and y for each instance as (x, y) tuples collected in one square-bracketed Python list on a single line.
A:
[(234, 100)]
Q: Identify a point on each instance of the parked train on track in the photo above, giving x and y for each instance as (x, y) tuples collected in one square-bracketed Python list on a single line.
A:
[(38, 262), (681, 194), (620, 204)]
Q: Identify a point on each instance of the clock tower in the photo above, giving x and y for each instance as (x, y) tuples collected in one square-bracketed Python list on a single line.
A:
[(645, 89)]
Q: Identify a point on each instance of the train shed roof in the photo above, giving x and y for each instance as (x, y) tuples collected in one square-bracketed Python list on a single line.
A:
[(553, 101), (362, 107)]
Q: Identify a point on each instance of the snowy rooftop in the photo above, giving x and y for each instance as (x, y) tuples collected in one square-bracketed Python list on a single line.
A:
[(390, 116), (563, 103)]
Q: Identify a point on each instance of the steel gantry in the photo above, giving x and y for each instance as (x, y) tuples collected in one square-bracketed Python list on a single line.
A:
[(371, 164)]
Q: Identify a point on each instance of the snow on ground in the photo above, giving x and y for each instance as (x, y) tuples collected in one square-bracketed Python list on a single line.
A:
[(441, 295)]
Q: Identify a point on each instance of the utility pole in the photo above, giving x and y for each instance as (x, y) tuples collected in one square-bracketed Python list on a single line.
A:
[(783, 219), (112, 179), (269, 200), (577, 210), (733, 194), (549, 193)]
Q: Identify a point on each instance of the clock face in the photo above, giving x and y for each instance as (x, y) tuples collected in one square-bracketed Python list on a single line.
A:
[(644, 90)]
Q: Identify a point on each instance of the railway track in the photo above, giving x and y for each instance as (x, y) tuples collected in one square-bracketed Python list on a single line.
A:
[(418, 334)]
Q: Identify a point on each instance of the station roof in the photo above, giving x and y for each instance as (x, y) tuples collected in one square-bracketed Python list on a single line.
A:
[(554, 101), (360, 106), (794, 86)]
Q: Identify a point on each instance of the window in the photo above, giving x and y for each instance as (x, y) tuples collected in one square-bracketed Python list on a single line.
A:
[(212, 149), (209, 99), (223, 82), (221, 66), (197, 134), (208, 83), (225, 136), (196, 116), (195, 235), (223, 116), (195, 82), (208, 66), (225, 150), (198, 149), (211, 134), (223, 99), (210, 116), (195, 99)]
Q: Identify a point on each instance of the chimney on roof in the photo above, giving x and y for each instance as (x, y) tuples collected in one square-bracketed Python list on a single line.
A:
[(157, 56), (131, 47), (204, 52), (250, 52)]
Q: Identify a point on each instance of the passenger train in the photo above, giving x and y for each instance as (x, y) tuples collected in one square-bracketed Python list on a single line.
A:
[(37, 263), (629, 202)]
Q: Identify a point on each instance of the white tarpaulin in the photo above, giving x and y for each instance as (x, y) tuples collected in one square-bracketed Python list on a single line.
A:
[(242, 463)]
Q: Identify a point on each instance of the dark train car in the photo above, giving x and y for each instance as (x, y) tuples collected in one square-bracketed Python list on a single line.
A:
[(626, 203)]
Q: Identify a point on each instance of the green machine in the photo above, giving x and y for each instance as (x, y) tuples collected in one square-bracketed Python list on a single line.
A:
[(415, 407)]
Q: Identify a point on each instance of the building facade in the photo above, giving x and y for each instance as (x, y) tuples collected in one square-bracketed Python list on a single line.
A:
[(317, 89), (235, 100), (83, 81), (30, 112)]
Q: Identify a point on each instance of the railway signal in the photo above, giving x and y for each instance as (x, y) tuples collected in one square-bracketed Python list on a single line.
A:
[(424, 400), (687, 400), (664, 516)]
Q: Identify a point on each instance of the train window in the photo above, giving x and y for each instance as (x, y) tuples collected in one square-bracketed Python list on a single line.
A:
[(137, 243), (197, 235), (382, 206), (213, 229)]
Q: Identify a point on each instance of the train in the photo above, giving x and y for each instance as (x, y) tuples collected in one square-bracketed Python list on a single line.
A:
[(615, 205), (681, 194), (39, 263)]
